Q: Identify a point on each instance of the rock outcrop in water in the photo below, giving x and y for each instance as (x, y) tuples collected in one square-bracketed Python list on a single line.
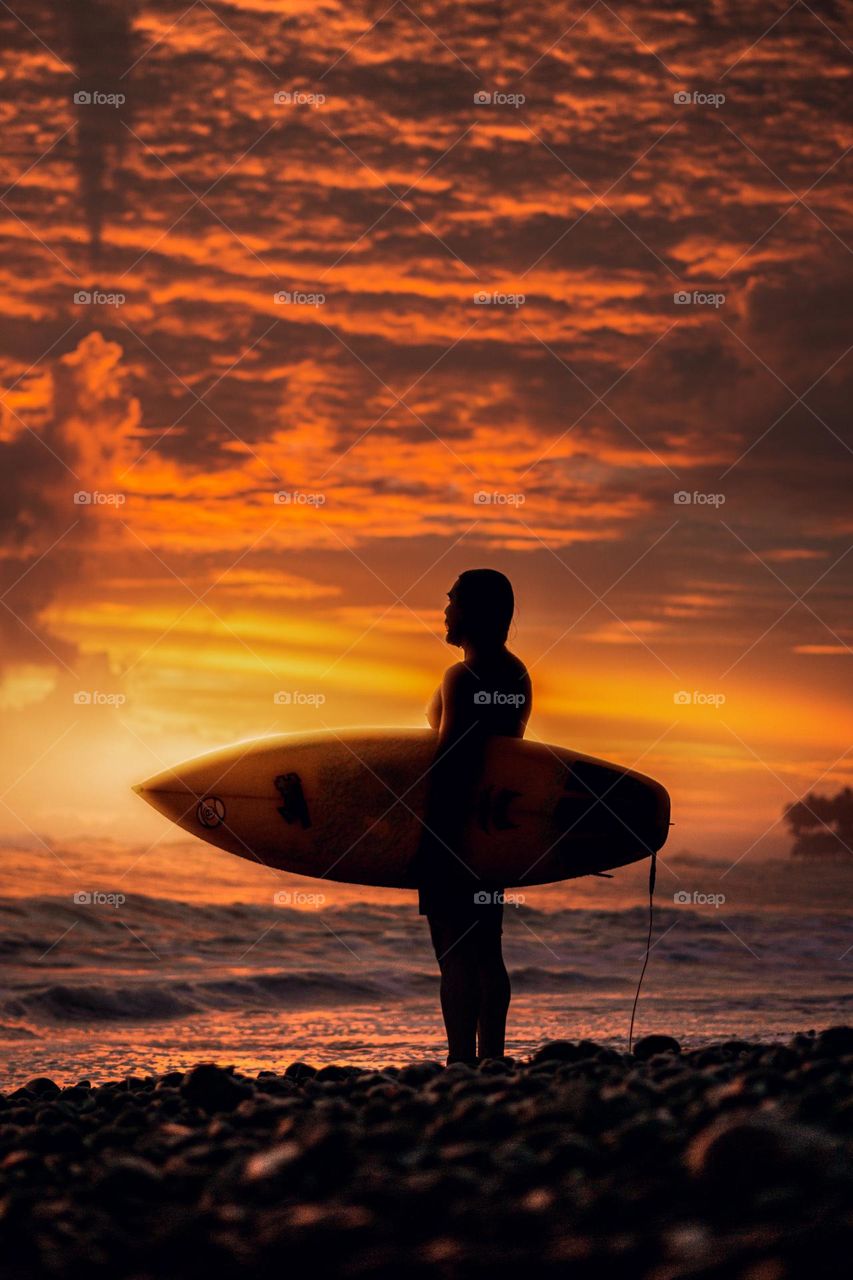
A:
[(730, 1160)]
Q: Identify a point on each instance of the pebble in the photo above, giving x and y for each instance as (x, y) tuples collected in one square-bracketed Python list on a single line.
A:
[(650, 1046), (42, 1086), (728, 1161), (214, 1089)]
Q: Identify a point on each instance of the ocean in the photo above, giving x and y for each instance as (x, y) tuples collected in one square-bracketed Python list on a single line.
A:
[(123, 960)]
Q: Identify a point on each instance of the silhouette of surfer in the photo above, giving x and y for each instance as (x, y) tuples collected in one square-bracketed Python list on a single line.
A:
[(486, 695)]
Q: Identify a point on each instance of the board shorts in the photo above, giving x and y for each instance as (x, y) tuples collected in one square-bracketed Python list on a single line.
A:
[(465, 905), (449, 892)]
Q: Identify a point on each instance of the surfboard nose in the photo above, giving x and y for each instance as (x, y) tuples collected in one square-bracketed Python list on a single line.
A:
[(168, 793)]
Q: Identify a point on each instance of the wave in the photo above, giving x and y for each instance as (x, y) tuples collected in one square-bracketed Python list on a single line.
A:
[(150, 1001), (142, 1001), (160, 959), (34, 919)]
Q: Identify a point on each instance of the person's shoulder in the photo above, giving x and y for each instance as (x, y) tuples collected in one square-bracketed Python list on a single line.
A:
[(518, 665), (456, 676), (458, 688)]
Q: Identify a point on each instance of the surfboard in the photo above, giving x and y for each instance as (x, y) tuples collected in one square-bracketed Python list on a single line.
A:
[(348, 806)]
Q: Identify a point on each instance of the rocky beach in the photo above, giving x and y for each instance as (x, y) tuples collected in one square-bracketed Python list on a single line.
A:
[(731, 1159)]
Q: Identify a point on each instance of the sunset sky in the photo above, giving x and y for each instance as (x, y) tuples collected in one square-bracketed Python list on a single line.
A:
[(384, 196)]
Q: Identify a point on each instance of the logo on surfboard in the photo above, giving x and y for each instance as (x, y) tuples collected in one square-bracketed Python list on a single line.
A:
[(210, 811), (293, 807)]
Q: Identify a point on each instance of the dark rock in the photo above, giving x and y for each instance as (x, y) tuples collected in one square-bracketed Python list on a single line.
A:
[(458, 1071), (835, 1041), (300, 1071), (566, 1051), (333, 1072), (214, 1089), (418, 1073), (171, 1080), (42, 1086), (129, 1176), (738, 1159), (495, 1066), (649, 1046), (75, 1094)]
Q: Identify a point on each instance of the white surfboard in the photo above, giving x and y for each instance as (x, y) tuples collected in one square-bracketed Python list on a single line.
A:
[(347, 806)]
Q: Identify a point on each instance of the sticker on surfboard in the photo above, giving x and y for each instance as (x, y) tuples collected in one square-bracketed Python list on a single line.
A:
[(293, 807), (210, 811)]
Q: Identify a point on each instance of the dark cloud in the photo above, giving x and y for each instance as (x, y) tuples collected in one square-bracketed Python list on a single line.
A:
[(49, 458), (499, 201)]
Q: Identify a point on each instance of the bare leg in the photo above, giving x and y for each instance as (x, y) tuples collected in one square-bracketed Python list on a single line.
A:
[(495, 993), (460, 989)]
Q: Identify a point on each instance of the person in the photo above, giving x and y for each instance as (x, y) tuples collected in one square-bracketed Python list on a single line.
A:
[(487, 694)]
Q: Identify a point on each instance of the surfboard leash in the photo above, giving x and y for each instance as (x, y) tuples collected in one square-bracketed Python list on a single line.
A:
[(652, 877)]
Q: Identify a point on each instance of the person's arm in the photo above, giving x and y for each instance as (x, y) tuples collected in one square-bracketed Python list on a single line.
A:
[(433, 710), (527, 690), (458, 761)]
